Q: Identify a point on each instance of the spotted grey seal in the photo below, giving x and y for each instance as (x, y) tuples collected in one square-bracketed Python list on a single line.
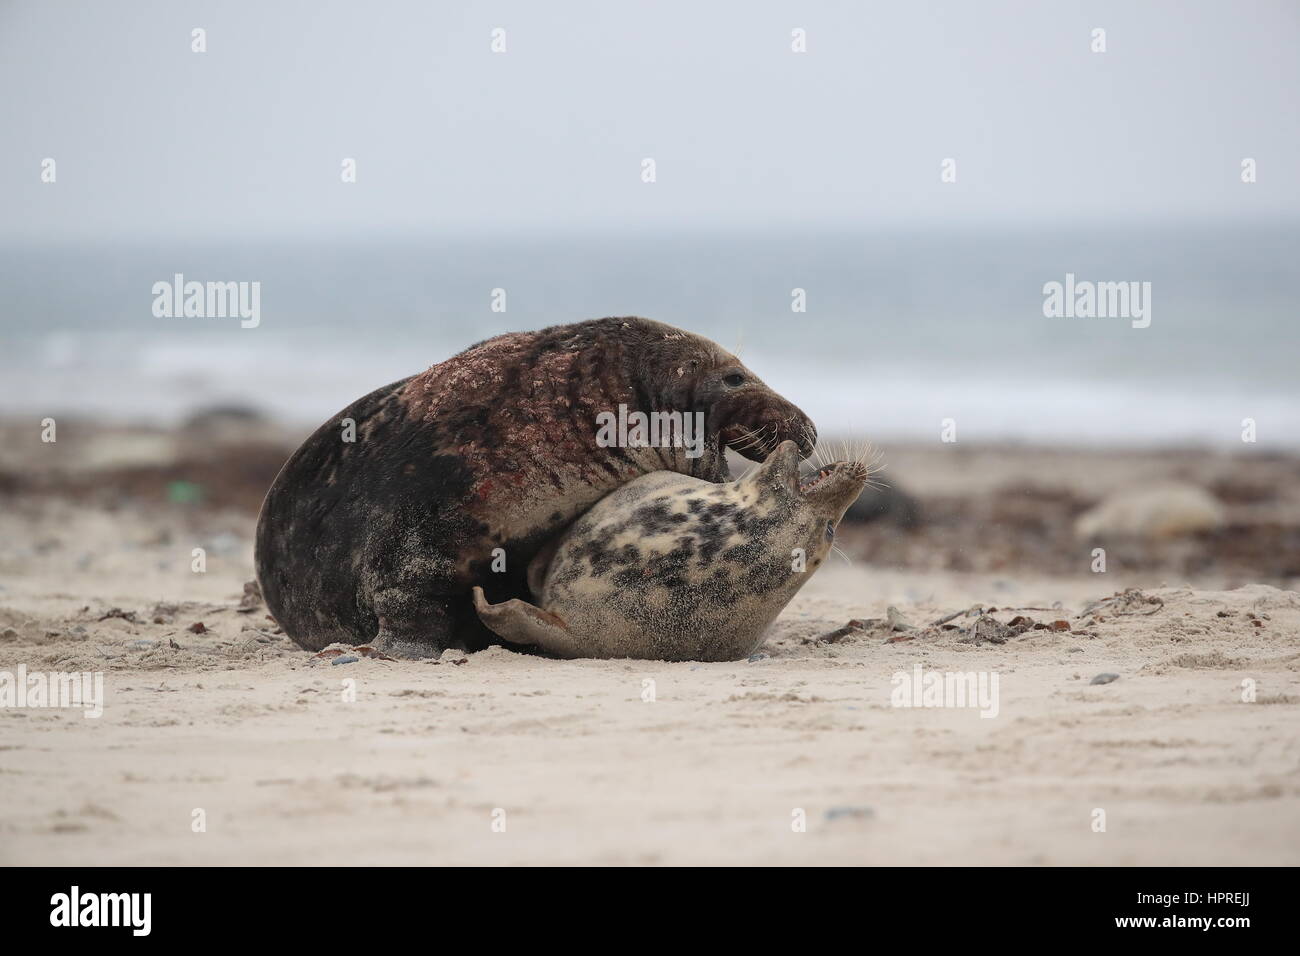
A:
[(485, 456), (669, 567)]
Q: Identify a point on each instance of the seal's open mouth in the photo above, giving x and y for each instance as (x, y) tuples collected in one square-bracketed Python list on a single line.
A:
[(812, 481)]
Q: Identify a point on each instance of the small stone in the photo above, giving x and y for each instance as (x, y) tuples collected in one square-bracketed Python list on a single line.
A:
[(896, 620), (1104, 678), (987, 629), (252, 599), (839, 813), (757, 657), (345, 659)]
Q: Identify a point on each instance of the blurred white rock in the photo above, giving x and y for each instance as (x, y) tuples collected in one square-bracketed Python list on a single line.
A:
[(1165, 510)]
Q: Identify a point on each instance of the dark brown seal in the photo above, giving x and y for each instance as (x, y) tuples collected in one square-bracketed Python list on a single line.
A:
[(380, 539)]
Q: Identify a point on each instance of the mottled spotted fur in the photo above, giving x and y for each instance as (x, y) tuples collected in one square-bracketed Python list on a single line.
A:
[(673, 568)]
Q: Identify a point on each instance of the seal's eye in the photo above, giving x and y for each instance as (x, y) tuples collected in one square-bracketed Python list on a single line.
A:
[(735, 379), (830, 530)]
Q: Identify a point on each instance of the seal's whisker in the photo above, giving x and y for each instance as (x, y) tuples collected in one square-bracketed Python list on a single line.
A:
[(824, 456), (864, 453), (743, 439), (764, 441), (817, 445), (812, 454), (748, 439), (820, 456), (871, 455)]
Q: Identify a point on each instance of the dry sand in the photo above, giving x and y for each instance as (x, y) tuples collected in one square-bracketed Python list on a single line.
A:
[(238, 723)]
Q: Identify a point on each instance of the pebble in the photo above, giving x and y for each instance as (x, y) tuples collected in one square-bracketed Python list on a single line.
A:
[(757, 657), (1104, 678), (837, 813), (344, 659)]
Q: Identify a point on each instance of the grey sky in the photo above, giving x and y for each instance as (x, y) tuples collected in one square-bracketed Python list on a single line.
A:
[(247, 139)]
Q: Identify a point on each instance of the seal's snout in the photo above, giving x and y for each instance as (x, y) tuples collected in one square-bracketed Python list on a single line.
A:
[(790, 424), (755, 433), (836, 486), (806, 441)]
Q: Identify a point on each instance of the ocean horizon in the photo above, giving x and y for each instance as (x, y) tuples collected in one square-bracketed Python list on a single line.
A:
[(898, 333)]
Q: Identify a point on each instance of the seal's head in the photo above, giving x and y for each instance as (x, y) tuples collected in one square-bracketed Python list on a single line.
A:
[(688, 372), (810, 507)]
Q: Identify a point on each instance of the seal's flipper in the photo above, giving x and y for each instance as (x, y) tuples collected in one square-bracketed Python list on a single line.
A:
[(521, 623)]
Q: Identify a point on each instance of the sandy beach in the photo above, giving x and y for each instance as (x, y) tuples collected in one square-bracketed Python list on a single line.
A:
[(1147, 714)]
